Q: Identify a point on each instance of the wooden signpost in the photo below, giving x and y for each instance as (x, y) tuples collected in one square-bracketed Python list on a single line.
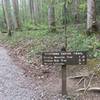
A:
[(65, 58)]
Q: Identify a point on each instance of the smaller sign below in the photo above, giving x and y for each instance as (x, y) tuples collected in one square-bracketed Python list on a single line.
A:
[(69, 58)]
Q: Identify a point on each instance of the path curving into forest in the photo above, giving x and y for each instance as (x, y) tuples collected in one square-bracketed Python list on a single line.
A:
[(13, 84)]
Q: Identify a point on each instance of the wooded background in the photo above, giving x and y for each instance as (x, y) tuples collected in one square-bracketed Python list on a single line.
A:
[(41, 17), (16, 14)]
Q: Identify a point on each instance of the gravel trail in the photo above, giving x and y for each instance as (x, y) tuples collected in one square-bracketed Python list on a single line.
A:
[(13, 83)]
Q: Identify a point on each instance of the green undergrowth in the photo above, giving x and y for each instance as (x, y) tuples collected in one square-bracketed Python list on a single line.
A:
[(41, 40)]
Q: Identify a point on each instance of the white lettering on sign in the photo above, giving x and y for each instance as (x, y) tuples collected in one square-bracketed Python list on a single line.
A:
[(70, 58)]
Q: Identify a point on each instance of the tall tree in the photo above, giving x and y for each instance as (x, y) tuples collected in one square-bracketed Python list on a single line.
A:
[(51, 17), (16, 12), (64, 13), (4, 18), (7, 12), (91, 16), (31, 4), (36, 11), (23, 11)]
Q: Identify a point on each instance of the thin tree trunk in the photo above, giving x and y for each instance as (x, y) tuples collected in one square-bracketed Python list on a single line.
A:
[(91, 16), (4, 24), (31, 8), (36, 12), (7, 12), (16, 12), (41, 8), (51, 18)]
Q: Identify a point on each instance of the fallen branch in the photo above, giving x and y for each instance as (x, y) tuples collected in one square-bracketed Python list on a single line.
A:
[(94, 89)]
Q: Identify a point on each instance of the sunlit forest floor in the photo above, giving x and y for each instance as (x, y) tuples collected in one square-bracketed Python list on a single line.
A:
[(26, 46)]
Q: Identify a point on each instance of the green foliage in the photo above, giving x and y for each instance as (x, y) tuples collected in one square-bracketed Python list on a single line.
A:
[(42, 40), (79, 41), (30, 26), (82, 7), (27, 25)]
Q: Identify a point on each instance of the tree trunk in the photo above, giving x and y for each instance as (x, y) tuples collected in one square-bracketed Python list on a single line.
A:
[(16, 12), (24, 10), (31, 8), (91, 16), (64, 14), (51, 18), (36, 12), (4, 17), (7, 12), (76, 10)]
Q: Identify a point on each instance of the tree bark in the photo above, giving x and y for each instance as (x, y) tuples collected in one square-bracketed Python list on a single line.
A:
[(51, 18), (7, 12), (16, 12), (91, 16), (36, 12), (31, 8), (4, 17)]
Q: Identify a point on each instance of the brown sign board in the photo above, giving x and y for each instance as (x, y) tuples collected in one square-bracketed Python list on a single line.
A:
[(68, 58)]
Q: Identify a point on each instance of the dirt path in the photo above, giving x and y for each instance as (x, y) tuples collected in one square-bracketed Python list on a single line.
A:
[(13, 84)]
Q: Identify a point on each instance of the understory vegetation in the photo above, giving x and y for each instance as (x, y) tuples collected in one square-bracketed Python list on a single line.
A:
[(39, 40)]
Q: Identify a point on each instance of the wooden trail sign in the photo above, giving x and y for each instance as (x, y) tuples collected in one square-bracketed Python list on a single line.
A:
[(65, 58), (68, 58)]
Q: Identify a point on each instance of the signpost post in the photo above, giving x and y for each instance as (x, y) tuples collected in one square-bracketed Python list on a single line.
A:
[(65, 58), (64, 76)]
